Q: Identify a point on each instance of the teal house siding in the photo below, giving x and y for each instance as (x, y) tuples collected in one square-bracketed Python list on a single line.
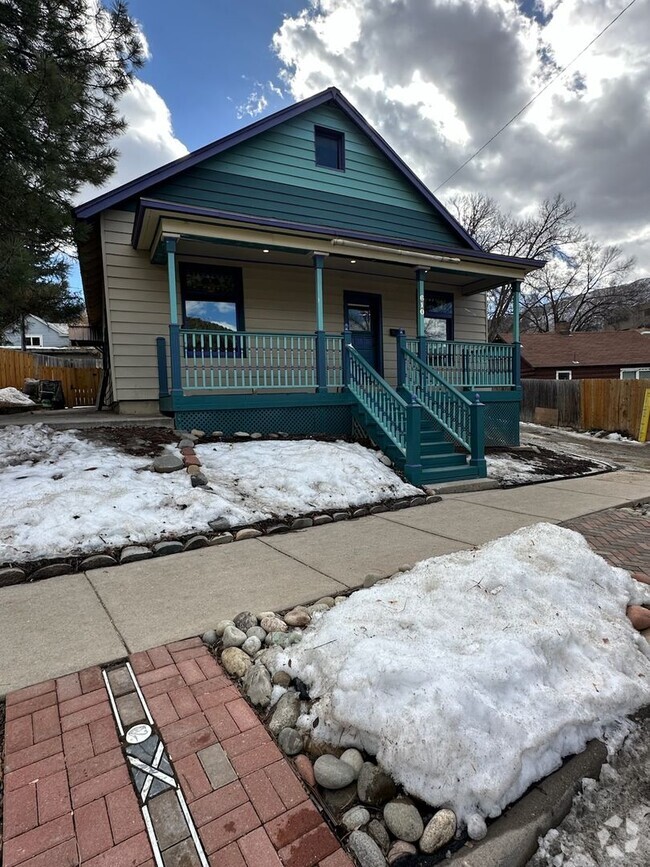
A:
[(274, 176)]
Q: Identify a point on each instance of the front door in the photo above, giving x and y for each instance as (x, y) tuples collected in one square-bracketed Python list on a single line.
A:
[(362, 317)]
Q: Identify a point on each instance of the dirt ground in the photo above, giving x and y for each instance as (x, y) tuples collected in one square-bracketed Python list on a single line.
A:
[(629, 456), (142, 442)]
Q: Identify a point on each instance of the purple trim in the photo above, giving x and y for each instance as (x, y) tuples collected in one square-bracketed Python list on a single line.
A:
[(332, 94), (193, 210)]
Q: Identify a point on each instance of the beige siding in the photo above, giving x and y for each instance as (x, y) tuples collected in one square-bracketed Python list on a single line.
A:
[(276, 298)]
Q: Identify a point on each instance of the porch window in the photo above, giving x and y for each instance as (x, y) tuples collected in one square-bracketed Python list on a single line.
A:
[(439, 315), (330, 148), (213, 305)]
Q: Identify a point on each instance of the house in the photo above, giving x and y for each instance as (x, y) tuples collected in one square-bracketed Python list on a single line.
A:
[(297, 276), (585, 355), (38, 334)]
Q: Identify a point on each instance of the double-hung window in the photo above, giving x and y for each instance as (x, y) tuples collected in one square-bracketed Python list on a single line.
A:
[(213, 308)]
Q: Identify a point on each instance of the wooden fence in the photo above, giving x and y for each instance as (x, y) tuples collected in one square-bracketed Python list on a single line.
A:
[(80, 384), (588, 404)]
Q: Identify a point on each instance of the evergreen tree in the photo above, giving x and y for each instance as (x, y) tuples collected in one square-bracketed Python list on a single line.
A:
[(63, 66)]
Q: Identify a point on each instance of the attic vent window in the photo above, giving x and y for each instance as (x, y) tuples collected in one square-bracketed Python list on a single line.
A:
[(330, 148)]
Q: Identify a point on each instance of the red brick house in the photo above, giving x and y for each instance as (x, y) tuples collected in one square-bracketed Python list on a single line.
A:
[(585, 355)]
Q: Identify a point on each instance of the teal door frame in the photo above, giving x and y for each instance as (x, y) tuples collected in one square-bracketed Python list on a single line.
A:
[(373, 301)]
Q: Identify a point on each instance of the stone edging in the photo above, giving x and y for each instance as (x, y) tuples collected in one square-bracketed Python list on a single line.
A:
[(220, 530)]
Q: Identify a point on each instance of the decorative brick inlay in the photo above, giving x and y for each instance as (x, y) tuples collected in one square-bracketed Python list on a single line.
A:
[(63, 754), (621, 536)]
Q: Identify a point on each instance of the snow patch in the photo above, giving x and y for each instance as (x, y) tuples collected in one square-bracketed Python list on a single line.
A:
[(471, 676), (10, 396)]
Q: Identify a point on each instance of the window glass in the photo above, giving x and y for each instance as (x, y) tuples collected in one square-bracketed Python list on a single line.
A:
[(439, 315), (34, 340), (329, 147), (563, 374), (212, 297), (359, 317)]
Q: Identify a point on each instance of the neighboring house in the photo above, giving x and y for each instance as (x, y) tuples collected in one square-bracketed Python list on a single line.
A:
[(297, 276), (38, 334), (585, 355)]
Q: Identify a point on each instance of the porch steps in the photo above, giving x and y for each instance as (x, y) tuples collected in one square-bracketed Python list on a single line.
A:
[(441, 462)]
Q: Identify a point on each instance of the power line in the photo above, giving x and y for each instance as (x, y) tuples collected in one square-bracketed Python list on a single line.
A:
[(532, 100)]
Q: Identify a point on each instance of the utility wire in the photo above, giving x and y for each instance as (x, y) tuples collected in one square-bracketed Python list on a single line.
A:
[(537, 95)]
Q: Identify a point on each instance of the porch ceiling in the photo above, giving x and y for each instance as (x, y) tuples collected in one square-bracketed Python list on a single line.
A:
[(465, 270)]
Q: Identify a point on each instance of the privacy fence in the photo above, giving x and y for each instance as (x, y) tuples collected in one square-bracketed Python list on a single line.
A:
[(586, 404), (80, 377)]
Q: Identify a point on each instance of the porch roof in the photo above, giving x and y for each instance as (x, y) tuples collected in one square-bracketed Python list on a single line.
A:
[(469, 270)]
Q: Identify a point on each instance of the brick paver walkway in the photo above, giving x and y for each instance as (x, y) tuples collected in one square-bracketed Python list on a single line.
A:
[(621, 536), (70, 801)]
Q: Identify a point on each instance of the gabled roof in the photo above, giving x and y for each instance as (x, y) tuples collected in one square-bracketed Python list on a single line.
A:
[(331, 95), (587, 348)]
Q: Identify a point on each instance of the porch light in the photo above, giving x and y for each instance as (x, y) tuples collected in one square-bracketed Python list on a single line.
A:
[(265, 251), (353, 261)]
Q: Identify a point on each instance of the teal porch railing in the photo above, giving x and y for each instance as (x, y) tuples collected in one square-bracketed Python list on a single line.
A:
[(463, 419), (469, 364), (398, 419), (243, 360)]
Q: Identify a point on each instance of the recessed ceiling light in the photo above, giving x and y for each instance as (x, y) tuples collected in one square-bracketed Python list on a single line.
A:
[(353, 261), (265, 251)]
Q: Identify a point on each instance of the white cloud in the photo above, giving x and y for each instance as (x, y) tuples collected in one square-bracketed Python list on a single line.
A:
[(439, 77)]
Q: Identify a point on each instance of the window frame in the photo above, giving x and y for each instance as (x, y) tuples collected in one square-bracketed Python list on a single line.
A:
[(238, 349), (563, 378), (30, 337), (339, 136), (636, 370), (449, 320)]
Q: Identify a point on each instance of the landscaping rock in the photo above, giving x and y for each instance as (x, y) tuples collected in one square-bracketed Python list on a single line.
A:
[(282, 639), (298, 616), (210, 637), (133, 553), (360, 513), (317, 608), (241, 435), (476, 827), (273, 624), (281, 678), (403, 820), (322, 519), (365, 850), (354, 759), (162, 549), (340, 516), (338, 801), (339, 599), (417, 501), (187, 443), (257, 632), (257, 685), (235, 661), (167, 463), (196, 541), (405, 567), (439, 831), (386, 461), (247, 533), (325, 600), (432, 498), (301, 523), (193, 470), (399, 849), (198, 480), (222, 539), (217, 433), (355, 818), (332, 773), (233, 637), (219, 524), (251, 645), (286, 712), (97, 561), (371, 579), (222, 625), (379, 834), (191, 460), (377, 510), (11, 575), (374, 786), (197, 433), (290, 741), (256, 436), (273, 529), (245, 620), (305, 769)]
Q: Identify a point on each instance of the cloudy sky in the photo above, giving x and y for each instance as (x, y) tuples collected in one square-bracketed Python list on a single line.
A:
[(437, 78)]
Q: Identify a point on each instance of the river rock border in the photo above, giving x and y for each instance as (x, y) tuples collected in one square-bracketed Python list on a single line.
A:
[(374, 818), (220, 533)]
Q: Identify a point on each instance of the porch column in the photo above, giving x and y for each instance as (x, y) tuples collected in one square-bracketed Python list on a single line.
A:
[(321, 352), (516, 344), (174, 331), (422, 337)]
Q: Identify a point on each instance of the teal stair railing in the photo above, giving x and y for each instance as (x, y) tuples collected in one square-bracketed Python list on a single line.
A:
[(467, 363), (398, 419), (462, 418)]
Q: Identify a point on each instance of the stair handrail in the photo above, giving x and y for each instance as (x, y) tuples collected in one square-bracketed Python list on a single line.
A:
[(462, 418)]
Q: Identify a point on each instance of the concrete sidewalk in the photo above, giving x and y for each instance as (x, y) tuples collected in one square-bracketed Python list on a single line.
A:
[(54, 627)]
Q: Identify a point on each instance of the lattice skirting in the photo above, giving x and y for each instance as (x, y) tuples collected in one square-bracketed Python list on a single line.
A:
[(295, 420), (502, 423)]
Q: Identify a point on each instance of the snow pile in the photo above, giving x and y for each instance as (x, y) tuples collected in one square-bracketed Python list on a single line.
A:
[(11, 397), (472, 675), (294, 477), (65, 495), (609, 823)]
